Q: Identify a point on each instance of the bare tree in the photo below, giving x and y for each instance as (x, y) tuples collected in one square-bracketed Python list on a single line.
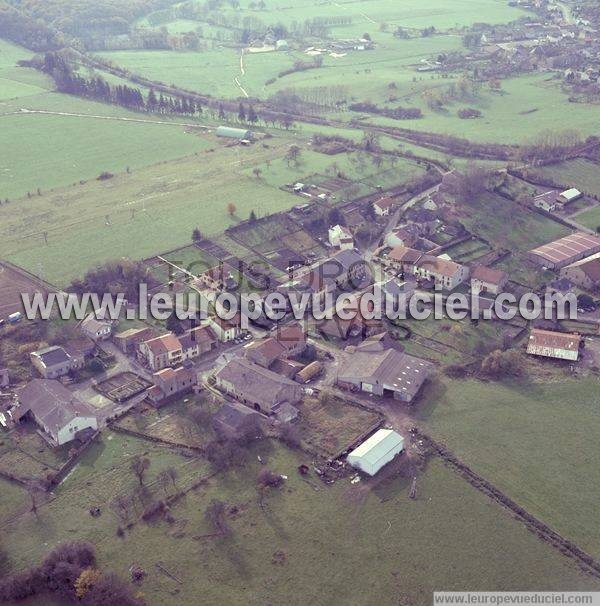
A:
[(216, 515), (172, 475), (139, 466)]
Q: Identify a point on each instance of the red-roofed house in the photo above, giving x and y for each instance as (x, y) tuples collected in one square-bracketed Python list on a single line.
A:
[(384, 206), (162, 352)]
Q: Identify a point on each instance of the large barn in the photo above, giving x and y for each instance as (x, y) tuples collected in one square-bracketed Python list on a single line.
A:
[(550, 344), (377, 451), (567, 250)]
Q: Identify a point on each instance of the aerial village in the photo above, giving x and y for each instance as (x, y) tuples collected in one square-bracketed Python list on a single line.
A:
[(276, 377)]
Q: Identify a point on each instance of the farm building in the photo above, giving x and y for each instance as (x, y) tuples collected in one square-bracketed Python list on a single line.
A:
[(584, 273), (486, 279), (56, 410), (308, 373), (256, 386), (565, 251), (568, 196), (265, 352), (234, 420), (229, 132), (549, 344), (377, 451), (52, 362), (384, 373)]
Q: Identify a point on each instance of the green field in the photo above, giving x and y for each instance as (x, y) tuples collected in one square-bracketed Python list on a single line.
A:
[(140, 214), (579, 173), (590, 218), (536, 441), (49, 151), (209, 71), (311, 543), (18, 82), (367, 15), (526, 106)]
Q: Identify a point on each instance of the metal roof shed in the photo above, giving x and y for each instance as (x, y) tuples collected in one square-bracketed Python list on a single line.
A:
[(377, 451), (234, 133)]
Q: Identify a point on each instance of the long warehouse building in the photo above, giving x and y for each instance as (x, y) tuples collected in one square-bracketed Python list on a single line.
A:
[(567, 250)]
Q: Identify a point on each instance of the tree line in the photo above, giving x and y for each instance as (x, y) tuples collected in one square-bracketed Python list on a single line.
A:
[(69, 81)]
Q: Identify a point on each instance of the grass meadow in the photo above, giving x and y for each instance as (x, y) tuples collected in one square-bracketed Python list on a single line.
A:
[(590, 218), (526, 106), (18, 82), (139, 214), (48, 151), (579, 173), (534, 439), (308, 543)]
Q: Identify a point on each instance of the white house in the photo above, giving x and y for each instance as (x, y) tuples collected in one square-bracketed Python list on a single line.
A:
[(376, 452), (445, 273), (226, 330), (340, 237)]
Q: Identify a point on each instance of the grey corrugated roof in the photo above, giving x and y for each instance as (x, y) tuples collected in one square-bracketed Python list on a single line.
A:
[(398, 371), (257, 384), (52, 356)]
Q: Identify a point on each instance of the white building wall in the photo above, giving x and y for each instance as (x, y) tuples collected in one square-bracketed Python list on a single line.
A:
[(67, 433), (371, 468)]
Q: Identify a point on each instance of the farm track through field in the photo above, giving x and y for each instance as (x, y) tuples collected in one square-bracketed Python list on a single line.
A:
[(436, 142), (25, 112), (586, 562)]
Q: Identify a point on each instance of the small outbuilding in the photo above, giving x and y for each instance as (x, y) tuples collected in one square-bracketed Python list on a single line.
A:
[(568, 196), (229, 132), (377, 451)]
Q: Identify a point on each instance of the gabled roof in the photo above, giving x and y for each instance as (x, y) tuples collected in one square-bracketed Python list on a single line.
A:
[(257, 384), (164, 344), (51, 356), (403, 254), (385, 203), (489, 275), (553, 340), (438, 266), (52, 404), (234, 415), (568, 247), (269, 349), (201, 335), (378, 445), (590, 266), (290, 335), (397, 371)]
